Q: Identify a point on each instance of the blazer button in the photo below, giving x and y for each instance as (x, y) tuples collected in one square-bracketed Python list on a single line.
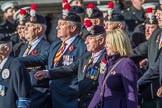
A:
[(89, 94)]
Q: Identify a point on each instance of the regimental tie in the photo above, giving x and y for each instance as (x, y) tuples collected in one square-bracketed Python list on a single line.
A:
[(59, 53), (27, 50), (90, 62)]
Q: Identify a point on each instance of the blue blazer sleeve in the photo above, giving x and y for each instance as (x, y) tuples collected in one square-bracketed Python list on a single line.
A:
[(35, 60), (64, 71)]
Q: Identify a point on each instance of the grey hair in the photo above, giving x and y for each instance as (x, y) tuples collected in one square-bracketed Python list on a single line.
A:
[(78, 25), (101, 35)]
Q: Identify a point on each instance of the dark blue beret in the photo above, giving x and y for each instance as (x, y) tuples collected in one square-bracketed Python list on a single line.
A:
[(114, 17), (77, 9), (96, 30), (96, 13), (70, 17), (153, 20), (37, 19)]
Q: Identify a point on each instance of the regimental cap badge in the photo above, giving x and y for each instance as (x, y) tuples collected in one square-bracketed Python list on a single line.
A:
[(33, 9), (90, 8), (5, 73), (66, 10), (150, 14), (110, 6), (88, 24)]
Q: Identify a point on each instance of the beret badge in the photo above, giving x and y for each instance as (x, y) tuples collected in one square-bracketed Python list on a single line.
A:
[(90, 8), (150, 15)]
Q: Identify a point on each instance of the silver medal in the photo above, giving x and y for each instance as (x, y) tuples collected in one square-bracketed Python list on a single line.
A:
[(5, 74)]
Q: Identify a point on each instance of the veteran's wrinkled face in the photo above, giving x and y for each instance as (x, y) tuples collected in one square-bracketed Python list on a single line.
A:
[(92, 44), (149, 28), (109, 26), (31, 31), (21, 32), (63, 29)]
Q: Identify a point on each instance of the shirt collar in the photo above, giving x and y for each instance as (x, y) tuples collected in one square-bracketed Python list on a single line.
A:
[(69, 41), (37, 40), (94, 55)]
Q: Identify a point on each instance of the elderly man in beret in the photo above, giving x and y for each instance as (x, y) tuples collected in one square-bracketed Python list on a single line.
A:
[(15, 87), (88, 82), (67, 49), (113, 20), (34, 32)]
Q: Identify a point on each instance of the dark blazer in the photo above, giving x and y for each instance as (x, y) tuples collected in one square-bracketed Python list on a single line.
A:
[(7, 28), (133, 17), (64, 91), (150, 48), (40, 88), (17, 48), (138, 35), (17, 85), (87, 87)]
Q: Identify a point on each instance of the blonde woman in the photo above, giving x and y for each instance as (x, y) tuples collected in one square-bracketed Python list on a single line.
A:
[(118, 81)]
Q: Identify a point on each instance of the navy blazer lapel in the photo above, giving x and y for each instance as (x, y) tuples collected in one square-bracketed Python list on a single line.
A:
[(6, 66), (81, 74), (74, 43), (157, 44), (23, 49), (38, 46)]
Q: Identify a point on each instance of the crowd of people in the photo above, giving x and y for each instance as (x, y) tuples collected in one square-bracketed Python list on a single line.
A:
[(106, 56)]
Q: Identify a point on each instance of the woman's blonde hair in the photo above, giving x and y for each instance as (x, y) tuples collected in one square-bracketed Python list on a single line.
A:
[(120, 42)]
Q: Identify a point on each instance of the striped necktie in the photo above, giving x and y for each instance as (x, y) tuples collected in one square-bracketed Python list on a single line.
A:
[(90, 62), (59, 53), (27, 50)]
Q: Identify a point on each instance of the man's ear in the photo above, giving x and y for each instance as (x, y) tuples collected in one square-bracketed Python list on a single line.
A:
[(39, 28), (101, 40), (97, 21), (73, 28)]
